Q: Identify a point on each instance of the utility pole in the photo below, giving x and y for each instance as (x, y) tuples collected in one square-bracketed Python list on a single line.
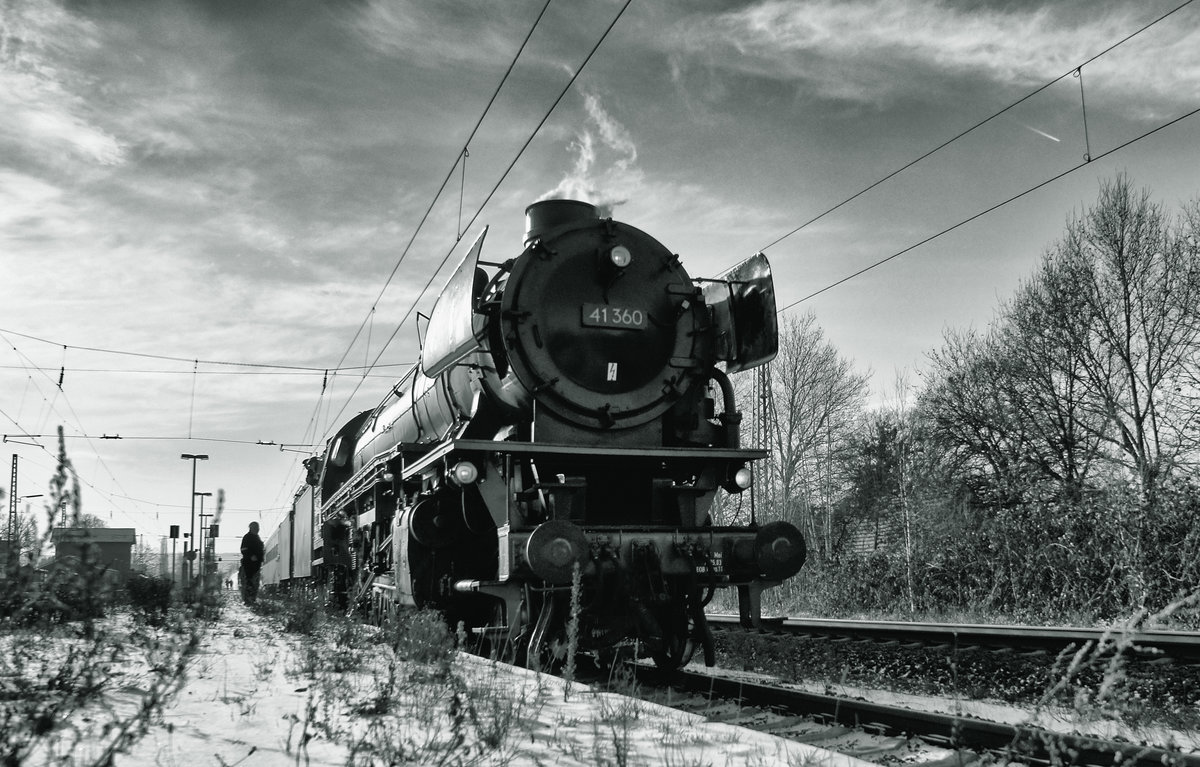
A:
[(202, 516), (191, 555), (202, 557), (12, 505)]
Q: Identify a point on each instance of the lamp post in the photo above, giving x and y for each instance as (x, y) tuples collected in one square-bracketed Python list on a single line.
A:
[(192, 538), (14, 532)]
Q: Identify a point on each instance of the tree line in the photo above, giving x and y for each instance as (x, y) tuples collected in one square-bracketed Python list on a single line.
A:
[(1044, 467)]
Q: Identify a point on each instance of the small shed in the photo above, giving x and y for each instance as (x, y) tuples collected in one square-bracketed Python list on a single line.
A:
[(109, 548), (7, 549)]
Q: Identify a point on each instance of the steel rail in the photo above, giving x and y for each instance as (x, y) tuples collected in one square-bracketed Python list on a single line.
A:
[(1017, 743), (1181, 646)]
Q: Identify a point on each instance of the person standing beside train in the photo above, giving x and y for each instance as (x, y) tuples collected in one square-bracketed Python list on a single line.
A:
[(252, 560)]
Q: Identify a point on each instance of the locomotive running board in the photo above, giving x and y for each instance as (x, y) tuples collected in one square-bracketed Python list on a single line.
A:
[(549, 448), (632, 452)]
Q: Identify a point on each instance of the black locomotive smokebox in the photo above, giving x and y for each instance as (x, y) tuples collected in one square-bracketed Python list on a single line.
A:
[(544, 216), (602, 348)]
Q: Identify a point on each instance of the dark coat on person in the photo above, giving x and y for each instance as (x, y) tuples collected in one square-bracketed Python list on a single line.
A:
[(252, 553)]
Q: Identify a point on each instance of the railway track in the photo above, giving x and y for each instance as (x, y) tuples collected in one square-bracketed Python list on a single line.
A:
[(1182, 647), (891, 734), (870, 730), (873, 730)]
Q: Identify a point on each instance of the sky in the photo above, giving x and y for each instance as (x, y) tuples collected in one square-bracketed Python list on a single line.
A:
[(219, 219)]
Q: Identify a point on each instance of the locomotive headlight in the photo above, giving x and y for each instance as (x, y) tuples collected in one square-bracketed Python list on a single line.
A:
[(743, 478), (464, 473), (738, 481), (620, 256)]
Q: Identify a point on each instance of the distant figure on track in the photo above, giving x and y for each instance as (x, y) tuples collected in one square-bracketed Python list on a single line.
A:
[(252, 560)]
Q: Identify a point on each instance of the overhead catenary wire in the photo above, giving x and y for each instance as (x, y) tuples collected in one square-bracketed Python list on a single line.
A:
[(376, 364), (479, 211), (122, 495), (243, 368), (459, 158), (307, 369), (323, 371), (1087, 161), (1076, 72), (1069, 73), (77, 474), (1087, 139), (159, 438), (157, 505), (29, 366), (77, 423), (28, 437), (313, 373), (882, 180)]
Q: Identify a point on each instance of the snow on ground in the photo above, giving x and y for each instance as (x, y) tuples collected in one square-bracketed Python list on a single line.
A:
[(1056, 719), (1053, 718), (255, 696)]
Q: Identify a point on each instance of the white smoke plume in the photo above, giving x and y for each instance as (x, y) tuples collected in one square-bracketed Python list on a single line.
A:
[(605, 171)]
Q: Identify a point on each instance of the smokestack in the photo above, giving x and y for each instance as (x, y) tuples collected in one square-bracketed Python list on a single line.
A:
[(543, 216)]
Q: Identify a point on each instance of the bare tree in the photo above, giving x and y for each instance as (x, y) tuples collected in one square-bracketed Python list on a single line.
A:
[(1088, 378), (1093, 358), (1125, 284), (968, 415), (810, 408), (901, 412), (144, 558), (1042, 383), (1188, 239)]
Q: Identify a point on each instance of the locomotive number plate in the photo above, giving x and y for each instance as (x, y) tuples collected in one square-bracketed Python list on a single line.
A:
[(620, 317)]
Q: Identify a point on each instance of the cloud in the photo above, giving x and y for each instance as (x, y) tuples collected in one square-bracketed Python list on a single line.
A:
[(873, 51), (40, 116), (434, 35), (50, 127), (23, 198), (605, 172)]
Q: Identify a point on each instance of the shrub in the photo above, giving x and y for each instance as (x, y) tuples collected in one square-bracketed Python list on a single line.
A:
[(1088, 559), (58, 678), (150, 597), (300, 611), (75, 592), (422, 636)]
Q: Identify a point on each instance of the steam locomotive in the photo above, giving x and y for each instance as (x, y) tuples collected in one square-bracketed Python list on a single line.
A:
[(566, 429)]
